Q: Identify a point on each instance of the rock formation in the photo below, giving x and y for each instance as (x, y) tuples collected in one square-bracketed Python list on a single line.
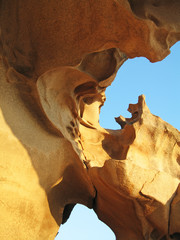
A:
[(57, 59)]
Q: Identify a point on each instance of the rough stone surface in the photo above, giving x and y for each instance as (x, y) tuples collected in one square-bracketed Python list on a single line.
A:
[(57, 59)]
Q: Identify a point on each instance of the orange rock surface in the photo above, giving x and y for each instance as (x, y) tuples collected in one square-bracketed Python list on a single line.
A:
[(57, 59)]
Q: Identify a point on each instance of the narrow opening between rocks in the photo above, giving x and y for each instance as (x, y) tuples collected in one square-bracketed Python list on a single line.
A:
[(160, 83)]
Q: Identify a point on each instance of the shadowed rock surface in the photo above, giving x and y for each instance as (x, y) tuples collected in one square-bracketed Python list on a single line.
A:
[(57, 59)]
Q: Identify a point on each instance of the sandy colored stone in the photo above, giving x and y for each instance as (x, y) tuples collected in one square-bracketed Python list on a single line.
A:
[(57, 59)]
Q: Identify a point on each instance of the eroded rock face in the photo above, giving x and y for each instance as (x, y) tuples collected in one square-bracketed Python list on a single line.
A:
[(58, 58), (138, 185)]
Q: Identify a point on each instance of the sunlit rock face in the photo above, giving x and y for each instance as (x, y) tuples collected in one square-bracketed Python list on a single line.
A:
[(137, 187), (57, 59)]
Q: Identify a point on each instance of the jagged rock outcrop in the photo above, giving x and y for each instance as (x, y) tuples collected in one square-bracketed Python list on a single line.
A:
[(57, 59)]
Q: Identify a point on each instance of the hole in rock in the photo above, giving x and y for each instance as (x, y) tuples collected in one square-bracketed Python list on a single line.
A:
[(159, 82), (83, 224)]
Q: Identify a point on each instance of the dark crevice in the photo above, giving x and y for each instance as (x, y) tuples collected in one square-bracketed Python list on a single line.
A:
[(67, 212), (155, 234), (94, 205), (175, 236), (154, 19), (137, 8)]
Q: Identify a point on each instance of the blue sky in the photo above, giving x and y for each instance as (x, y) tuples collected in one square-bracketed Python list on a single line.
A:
[(160, 83)]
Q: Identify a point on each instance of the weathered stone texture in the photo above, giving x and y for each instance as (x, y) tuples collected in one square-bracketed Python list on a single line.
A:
[(57, 59)]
